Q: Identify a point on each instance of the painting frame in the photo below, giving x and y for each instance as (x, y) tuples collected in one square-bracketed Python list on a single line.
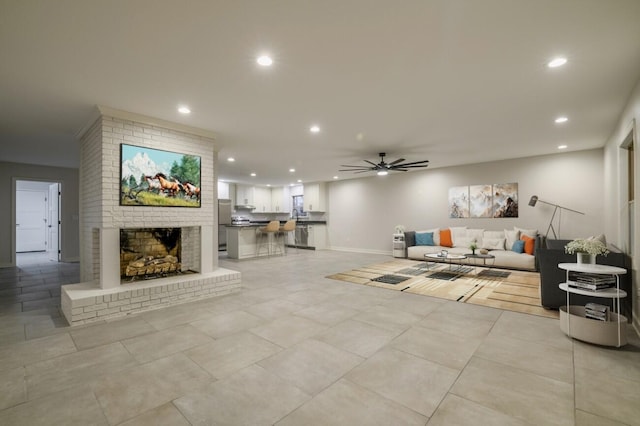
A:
[(151, 177)]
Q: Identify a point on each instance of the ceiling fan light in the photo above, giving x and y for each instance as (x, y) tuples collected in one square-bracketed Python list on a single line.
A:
[(383, 173)]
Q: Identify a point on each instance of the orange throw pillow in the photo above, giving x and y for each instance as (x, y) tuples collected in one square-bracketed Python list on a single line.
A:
[(445, 238), (529, 244)]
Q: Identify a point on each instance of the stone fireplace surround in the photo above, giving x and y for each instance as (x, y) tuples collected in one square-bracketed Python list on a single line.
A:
[(101, 295)]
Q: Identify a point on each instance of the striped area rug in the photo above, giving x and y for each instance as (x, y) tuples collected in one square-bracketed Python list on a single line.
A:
[(498, 288)]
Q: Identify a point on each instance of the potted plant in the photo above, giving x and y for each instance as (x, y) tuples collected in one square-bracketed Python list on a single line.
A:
[(473, 246), (586, 250)]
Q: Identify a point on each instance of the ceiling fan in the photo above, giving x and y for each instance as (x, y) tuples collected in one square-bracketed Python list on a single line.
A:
[(383, 168)]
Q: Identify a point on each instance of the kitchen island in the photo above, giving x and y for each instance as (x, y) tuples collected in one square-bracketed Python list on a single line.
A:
[(241, 239)]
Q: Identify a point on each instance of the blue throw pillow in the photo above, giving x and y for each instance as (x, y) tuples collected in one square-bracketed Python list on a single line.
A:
[(518, 246), (424, 239)]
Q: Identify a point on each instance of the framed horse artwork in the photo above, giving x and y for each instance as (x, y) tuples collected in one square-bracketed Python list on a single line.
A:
[(154, 177)]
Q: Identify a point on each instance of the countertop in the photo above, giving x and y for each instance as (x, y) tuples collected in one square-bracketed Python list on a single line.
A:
[(282, 222)]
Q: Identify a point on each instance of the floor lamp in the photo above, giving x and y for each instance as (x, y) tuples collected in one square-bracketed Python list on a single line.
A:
[(532, 202)]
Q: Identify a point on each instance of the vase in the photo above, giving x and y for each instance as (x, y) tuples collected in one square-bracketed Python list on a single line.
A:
[(586, 258)]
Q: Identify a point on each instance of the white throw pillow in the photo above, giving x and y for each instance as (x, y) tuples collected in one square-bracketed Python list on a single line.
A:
[(493, 234), (476, 234), (493, 243), (463, 242), (533, 233), (458, 232), (512, 236)]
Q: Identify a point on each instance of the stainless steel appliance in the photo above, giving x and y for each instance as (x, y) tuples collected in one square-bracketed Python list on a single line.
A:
[(224, 219), (302, 235)]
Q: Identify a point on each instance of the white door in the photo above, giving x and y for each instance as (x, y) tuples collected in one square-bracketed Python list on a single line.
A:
[(31, 218), (53, 222)]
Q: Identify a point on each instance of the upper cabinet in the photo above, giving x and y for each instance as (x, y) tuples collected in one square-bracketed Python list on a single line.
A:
[(278, 202), (244, 195), (315, 197), (262, 199)]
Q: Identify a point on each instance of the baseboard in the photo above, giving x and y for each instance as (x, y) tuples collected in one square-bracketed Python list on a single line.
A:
[(70, 260)]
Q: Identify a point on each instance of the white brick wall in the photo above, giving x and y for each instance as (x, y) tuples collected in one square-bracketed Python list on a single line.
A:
[(102, 215)]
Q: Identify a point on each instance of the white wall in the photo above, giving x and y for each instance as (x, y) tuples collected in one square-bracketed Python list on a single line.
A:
[(69, 213), (363, 213), (615, 202)]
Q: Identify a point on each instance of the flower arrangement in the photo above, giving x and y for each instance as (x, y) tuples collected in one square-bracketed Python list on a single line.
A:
[(590, 246), (399, 229)]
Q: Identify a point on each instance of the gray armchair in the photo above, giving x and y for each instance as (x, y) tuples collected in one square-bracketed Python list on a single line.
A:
[(551, 297)]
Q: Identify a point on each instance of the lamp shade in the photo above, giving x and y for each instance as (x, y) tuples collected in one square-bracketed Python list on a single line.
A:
[(533, 200)]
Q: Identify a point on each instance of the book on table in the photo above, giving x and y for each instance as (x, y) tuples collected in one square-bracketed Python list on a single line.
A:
[(596, 311), (593, 282)]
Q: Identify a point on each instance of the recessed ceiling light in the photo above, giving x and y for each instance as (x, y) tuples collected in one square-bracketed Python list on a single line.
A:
[(291, 184), (184, 110), (299, 180), (268, 184), (314, 129), (561, 120), (231, 159), (562, 146), (292, 170), (557, 62), (264, 61), (253, 175), (335, 177), (383, 173)]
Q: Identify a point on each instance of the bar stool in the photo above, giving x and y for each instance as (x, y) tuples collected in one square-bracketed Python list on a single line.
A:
[(287, 229), (265, 237)]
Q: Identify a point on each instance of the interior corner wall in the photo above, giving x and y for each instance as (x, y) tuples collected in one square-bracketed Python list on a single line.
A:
[(69, 212), (615, 196), (364, 212)]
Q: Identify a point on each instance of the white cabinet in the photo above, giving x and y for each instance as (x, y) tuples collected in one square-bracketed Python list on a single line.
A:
[(262, 199), (314, 197), (244, 195), (317, 236), (573, 321), (278, 202)]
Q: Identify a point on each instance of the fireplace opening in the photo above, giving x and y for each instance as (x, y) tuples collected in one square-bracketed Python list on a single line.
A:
[(148, 253)]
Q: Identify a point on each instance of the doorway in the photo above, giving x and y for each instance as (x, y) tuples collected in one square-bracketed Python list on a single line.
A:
[(37, 212)]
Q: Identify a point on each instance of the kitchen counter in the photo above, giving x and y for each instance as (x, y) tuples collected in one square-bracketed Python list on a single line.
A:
[(241, 239)]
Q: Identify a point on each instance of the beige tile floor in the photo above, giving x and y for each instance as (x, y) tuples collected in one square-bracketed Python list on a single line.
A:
[(295, 348)]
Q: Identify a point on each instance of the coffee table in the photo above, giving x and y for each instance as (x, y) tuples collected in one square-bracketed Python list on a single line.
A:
[(477, 257), (449, 258)]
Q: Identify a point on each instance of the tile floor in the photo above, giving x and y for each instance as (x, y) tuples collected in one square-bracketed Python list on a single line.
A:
[(295, 348)]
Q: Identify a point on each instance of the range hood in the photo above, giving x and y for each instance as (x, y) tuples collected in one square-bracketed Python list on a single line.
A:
[(244, 207)]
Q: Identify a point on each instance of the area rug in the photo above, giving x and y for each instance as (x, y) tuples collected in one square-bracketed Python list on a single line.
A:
[(516, 291)]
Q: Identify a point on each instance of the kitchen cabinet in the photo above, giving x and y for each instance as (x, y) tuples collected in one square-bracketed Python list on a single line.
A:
[(244, 195), (262, 199), (317, 236), (314, 197), (278, 202)]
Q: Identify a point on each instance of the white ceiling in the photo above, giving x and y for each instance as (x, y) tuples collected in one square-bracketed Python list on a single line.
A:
[(452, 81)]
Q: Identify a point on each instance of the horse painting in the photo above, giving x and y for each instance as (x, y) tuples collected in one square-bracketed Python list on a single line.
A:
[(154, 183), (191, 190), (171, 188)]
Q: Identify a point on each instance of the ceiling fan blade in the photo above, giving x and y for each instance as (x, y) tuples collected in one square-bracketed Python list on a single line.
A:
[(373, 164), (399, 160), (413, 163), (416, 166)]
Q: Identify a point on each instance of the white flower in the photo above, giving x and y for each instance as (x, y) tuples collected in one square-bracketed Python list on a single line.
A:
[(399, 229), (590, 246)]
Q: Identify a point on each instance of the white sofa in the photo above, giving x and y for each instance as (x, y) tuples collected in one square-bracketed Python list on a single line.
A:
[(498, 243)]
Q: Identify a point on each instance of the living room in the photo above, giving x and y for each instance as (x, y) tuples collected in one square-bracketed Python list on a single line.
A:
[(329, 352)]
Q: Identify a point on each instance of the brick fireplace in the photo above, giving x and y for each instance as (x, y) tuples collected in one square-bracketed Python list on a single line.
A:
[(103, 293)]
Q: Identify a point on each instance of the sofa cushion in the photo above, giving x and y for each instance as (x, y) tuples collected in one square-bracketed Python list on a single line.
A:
[(531, 233), (445, 238), (424, 239), (511, 236), (475, 234), (529, 243), (493, 243), (436, 235), (457, 232), (518, 246), (493, 234), (410, 238), (464, 242)]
